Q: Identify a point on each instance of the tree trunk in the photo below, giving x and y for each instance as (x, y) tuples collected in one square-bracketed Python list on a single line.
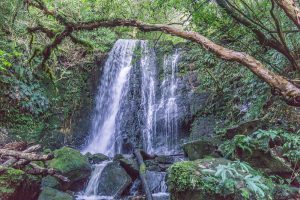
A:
[(142, 173), (26, 156), (291, 10), (289, 91)]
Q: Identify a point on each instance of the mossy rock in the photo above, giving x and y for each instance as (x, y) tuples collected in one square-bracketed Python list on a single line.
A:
[(17, 185), (267, 162), (194, 180), (54, 194), (201, 148), (50, 181), (96, 158), (72, 164)]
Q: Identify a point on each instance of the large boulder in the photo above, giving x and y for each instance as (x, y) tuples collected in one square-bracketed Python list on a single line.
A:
[(200, 148), (50, 181), (245, 128), (267, 162), (217, 179), (113, 180), (72, 164), (129, 164), (54, 194), (17, 185)]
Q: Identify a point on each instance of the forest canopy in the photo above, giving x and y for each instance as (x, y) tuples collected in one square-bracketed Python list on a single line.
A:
[(228, 69), (187, 20)]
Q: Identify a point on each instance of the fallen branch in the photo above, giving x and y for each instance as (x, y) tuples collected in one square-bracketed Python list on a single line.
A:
[(142, 173), (26, 156), (38, 170)]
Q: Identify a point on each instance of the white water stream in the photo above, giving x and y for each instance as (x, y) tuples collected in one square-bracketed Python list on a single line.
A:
[(105, 134)]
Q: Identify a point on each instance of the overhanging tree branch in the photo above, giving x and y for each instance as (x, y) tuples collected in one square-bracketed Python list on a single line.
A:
[(260, 35), (291, 10), (284, 87)]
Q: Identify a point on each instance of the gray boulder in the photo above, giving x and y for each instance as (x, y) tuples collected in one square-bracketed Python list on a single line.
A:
[(96, 158), (113, 180), (200, 148)]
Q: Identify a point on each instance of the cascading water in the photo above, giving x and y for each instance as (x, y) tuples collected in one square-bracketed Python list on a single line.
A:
[(148, 94), (91, 192), (113, 87), (131, 98), (167, 108)]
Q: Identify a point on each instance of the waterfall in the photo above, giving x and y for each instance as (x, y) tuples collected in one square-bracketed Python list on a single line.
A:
[(113, 88), (148, 69), (91, 192), (168, 106), (131, 99)]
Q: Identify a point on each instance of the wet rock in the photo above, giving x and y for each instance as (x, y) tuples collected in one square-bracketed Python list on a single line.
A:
[(131, 166), (54, 194), (161, 196), (203, 127), (244, 128), (152, 165), (50, 181), (156, 181), (164, 159), (267, 162), (113, 180), (96, 158), (72, 164), (200, 148)]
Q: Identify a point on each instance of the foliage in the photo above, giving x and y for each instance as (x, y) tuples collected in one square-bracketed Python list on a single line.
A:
[(239, 142), (266, 140), (219, 179), (10, 180)]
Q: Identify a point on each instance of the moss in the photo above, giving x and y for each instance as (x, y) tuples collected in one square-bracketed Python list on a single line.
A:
[(187, 175), (71, 163), (200, 148), (143, 168), (14, 182), (10, 180), (217, 179)]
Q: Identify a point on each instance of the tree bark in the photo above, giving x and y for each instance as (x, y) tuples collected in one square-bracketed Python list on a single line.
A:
[(142, 173), (38, 170), (260, 35), (26, 156), (289, 91), (291, 10), (13, 160)]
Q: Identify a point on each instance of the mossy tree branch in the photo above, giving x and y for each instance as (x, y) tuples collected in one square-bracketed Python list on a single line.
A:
[(289, 91)]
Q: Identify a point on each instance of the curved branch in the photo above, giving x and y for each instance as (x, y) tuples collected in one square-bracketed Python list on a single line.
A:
[(284, 87), (24, 155), (261, 37), (291, 10), (288, 90)]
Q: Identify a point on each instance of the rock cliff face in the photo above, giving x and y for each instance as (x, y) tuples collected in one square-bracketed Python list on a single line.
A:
[(158, 103)]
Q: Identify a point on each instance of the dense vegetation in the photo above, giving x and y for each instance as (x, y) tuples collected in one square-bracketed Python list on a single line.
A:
[(48, 75)]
